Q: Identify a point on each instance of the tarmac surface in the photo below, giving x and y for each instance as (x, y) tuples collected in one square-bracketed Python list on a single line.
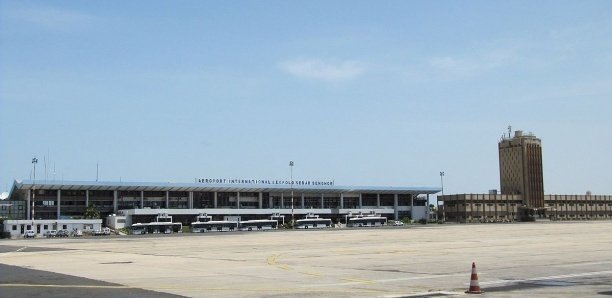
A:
[(542, 259)]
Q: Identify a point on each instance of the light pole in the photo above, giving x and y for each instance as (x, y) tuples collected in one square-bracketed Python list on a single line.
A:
[(443, 210), (291, 176), (34, 162)]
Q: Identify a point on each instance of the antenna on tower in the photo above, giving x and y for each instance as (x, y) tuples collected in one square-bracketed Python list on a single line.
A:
[(96, 171), (45, 161), (509, 131)]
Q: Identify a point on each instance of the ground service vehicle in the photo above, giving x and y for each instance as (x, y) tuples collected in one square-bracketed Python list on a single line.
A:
[(29, 234), (103, 231), (62, 233), (138, 229), (214, 226), (313, 223), (258, 225), (367, 221)]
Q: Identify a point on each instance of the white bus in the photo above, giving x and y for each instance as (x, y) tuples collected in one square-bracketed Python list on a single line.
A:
[(214, 226), (313, 223), (156, 228), (165, 227), (367, 221), (139, 229), (259, 225)]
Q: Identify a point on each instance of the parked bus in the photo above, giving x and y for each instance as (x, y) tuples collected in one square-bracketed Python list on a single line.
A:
[(313, 222), (165, 227), (139, 229), (156, 228), (214, 226), (259, 225), (367, 221)]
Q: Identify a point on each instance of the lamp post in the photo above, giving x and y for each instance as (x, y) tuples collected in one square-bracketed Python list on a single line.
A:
[(291, 177), (442, 183), (34, 162)]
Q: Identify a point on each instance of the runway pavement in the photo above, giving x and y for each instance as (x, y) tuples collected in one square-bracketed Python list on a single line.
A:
[(560, 259)]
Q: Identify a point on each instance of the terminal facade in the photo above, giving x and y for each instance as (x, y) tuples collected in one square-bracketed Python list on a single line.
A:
[(143, 202)]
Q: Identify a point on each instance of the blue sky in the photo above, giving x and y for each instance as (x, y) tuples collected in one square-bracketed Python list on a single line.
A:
[(384, 93)]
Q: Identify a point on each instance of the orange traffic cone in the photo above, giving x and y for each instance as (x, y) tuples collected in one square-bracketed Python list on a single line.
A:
[(474, 286)]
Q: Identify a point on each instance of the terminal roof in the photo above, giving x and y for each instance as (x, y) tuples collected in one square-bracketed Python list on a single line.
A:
[(150, 186)]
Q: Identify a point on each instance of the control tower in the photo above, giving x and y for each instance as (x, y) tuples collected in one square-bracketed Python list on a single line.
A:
[(520, 169)]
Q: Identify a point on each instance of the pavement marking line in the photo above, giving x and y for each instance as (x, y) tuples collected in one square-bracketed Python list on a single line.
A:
[(63, 286), (390, 280), (18, 250), (318, 274), (583, 264), (273, 261), (162, 288), (425, 294), (284, 267), (359, 280), (419, 277), (495, 282)]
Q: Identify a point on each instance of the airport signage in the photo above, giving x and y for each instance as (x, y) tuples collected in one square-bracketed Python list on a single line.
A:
[(264, 181)]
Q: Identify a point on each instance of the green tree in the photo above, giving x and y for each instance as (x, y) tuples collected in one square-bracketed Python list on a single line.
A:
[(92, 212)]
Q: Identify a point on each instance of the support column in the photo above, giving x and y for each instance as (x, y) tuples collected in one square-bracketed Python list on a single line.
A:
[(411, 207), (322, 201), (341, 201), (270, 202), (190, 203), (495, 204), (215, 200), (302, 201), (260, 200), (378, 200), (360, 202), (114, 201), (395, 211), (29, 214), (282, 201), (141, 199), (86, 198), (167, 198), (59, 199), (237, 200)]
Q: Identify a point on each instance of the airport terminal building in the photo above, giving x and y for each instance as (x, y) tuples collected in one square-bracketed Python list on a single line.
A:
[(218, 198)]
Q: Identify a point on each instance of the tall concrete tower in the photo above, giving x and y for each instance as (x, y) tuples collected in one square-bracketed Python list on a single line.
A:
[(520, 168)]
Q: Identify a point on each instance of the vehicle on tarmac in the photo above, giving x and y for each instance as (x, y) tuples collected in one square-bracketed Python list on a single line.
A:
[(51, 233), (398, 223), (76, 233), (102, 232), (259, 225), (138, 229), (62, 233), (313, 222), (367, 221), (214, 226), (29, 234)]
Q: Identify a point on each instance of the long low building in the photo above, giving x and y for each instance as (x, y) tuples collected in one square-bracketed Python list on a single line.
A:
[(502, 207), (142, 202), (16, 228)]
